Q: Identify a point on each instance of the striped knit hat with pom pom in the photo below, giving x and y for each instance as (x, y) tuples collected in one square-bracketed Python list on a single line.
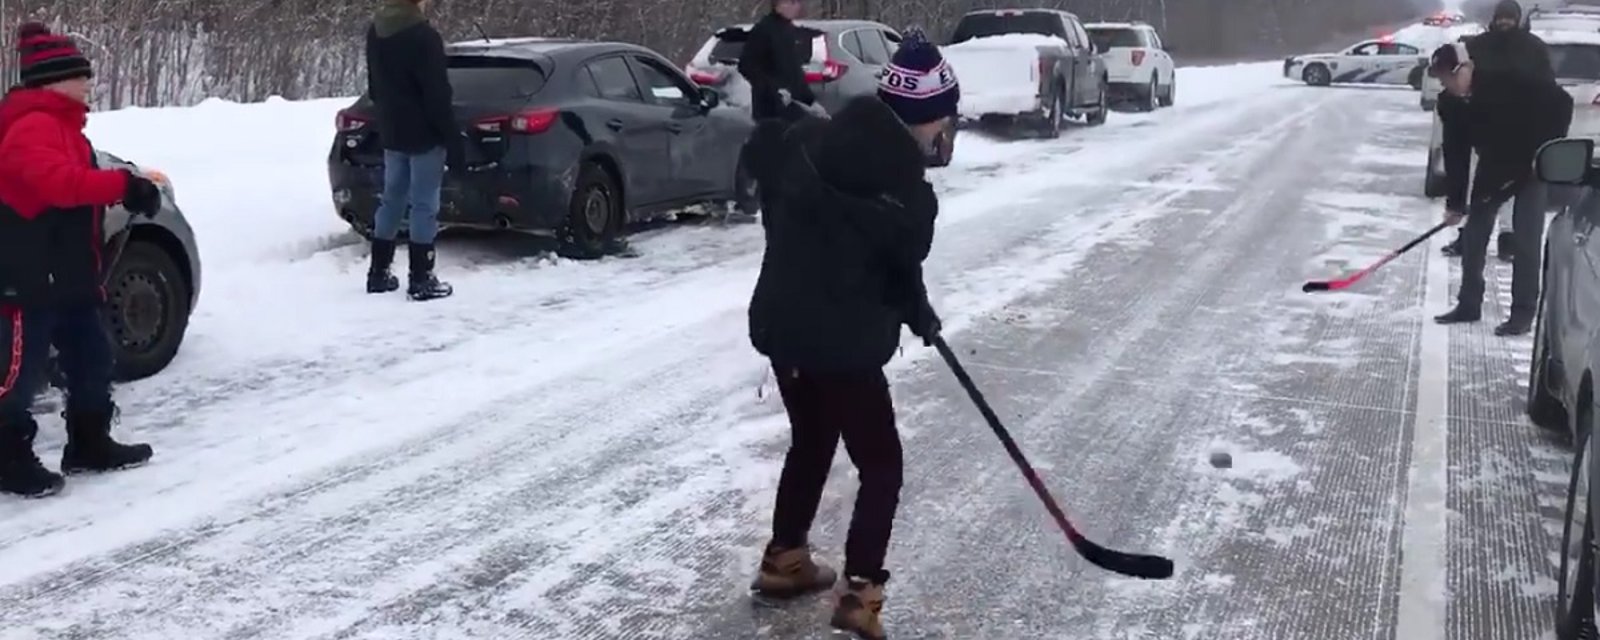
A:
[(46, 58)]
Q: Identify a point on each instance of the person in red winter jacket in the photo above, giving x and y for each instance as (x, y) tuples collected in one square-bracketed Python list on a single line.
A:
[(52, 210)]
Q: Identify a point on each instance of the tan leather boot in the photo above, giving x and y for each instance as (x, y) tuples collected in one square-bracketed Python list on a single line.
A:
[(860, 609), (790, 573)]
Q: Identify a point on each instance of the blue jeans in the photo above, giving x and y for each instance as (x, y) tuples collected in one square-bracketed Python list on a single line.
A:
[(83, 351), (411, 181)]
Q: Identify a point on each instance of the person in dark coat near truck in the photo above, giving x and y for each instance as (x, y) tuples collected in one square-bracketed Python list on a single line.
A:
[(852, 222), (1503, 114), (1507, 44), (52, 215), (409, 84)]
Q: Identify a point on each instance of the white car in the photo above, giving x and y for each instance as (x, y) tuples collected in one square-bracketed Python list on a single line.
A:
[(1139, 68), (1576, 58), (1381, 61), (1568, 18)]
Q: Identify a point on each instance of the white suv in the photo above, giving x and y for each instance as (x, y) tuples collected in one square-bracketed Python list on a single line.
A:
[(1138, 66)]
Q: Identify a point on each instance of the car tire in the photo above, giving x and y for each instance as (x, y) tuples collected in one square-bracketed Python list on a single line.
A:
[(1544, 407), (944, 148), (1054, 121), (1575, 594), (1317, 75), (594, 215), (1170, 96), (1434, 185), (147, 310), (1415, 78), (1152, 96), (1103, 107)]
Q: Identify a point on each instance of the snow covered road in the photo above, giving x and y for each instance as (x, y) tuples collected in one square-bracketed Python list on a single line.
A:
[(569, 450)]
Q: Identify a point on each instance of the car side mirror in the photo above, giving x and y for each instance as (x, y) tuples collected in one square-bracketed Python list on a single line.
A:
[(709, 98), (1564, 161)]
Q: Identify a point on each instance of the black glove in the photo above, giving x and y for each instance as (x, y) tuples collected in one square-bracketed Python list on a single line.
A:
[(141, 196), (923, 322)]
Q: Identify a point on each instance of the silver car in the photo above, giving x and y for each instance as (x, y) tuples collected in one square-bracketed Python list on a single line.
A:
[(845, 59)]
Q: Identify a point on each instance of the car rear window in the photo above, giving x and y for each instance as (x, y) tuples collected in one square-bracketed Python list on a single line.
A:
[(1576, 61), (984, 25), (1107, 38), (484, 78), (728, 45)]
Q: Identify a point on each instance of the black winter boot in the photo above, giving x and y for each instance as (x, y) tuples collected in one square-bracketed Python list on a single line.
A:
[(423, 284), (21, 473), (1514, 326), (90, 447), (380, 278), (1453, 249), (1506, 246), (1459, 315)]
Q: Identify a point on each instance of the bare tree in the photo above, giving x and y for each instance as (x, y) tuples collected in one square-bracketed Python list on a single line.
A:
[(175, 52)]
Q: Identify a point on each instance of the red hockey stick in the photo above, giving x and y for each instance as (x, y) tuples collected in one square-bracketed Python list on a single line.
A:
[(1128, 564), (1345, 282)]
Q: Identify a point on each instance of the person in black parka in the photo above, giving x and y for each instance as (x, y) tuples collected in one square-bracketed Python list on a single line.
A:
[(1507, 45), (409, 84), (1503, 114), (773, 65), (852, 222)]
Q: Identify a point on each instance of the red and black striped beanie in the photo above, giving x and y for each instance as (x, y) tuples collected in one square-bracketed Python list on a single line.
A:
[(47, 58)]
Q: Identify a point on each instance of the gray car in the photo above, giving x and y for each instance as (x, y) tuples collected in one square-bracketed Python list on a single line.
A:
[(152, 286), (844, 58), (1565, 359)]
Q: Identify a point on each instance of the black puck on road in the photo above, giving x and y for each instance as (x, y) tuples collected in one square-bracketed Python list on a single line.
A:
[(1221, 460)]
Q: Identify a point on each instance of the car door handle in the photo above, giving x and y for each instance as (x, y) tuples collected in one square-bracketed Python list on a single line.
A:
[(614, 124)]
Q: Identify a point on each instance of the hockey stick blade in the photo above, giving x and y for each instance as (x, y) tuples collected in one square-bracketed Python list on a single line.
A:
[(1342, 283), (1132, 565)]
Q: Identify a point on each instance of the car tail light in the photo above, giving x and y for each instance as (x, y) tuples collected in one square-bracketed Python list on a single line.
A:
[(706, 77), (532, 122), (825, 68), (1043, 68), (345, 120), (1137, 56)]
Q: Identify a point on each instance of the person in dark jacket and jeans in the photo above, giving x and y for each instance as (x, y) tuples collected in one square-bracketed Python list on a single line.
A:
[(852, 222), (408, 82), (1508, 45), (1504, 115), (52, 214)]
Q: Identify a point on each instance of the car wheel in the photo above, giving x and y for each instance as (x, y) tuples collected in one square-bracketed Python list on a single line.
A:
[(1433, 183), (1317, 75), (944, 148), (1102, 107), (1171, 96), (1575, 597), (1415, 79), (1544, 407), (746, 192), (594, 216), (147, 310), (1053, 120), (1152, 96)]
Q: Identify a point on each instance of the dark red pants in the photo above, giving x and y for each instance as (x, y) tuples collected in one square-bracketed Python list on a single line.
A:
[(824, 408)]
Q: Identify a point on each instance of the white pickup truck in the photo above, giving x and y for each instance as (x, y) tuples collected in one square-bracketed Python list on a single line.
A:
[(1032, 67)]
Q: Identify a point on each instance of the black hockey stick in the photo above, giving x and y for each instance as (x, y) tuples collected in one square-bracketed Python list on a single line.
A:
[(1342, 283), (1128, 564)]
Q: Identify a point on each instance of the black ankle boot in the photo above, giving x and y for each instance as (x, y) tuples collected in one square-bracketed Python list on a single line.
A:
[(1459, 315), (21, 473), (90, 447), (380, 277), (1514, 326), (423, 284)]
